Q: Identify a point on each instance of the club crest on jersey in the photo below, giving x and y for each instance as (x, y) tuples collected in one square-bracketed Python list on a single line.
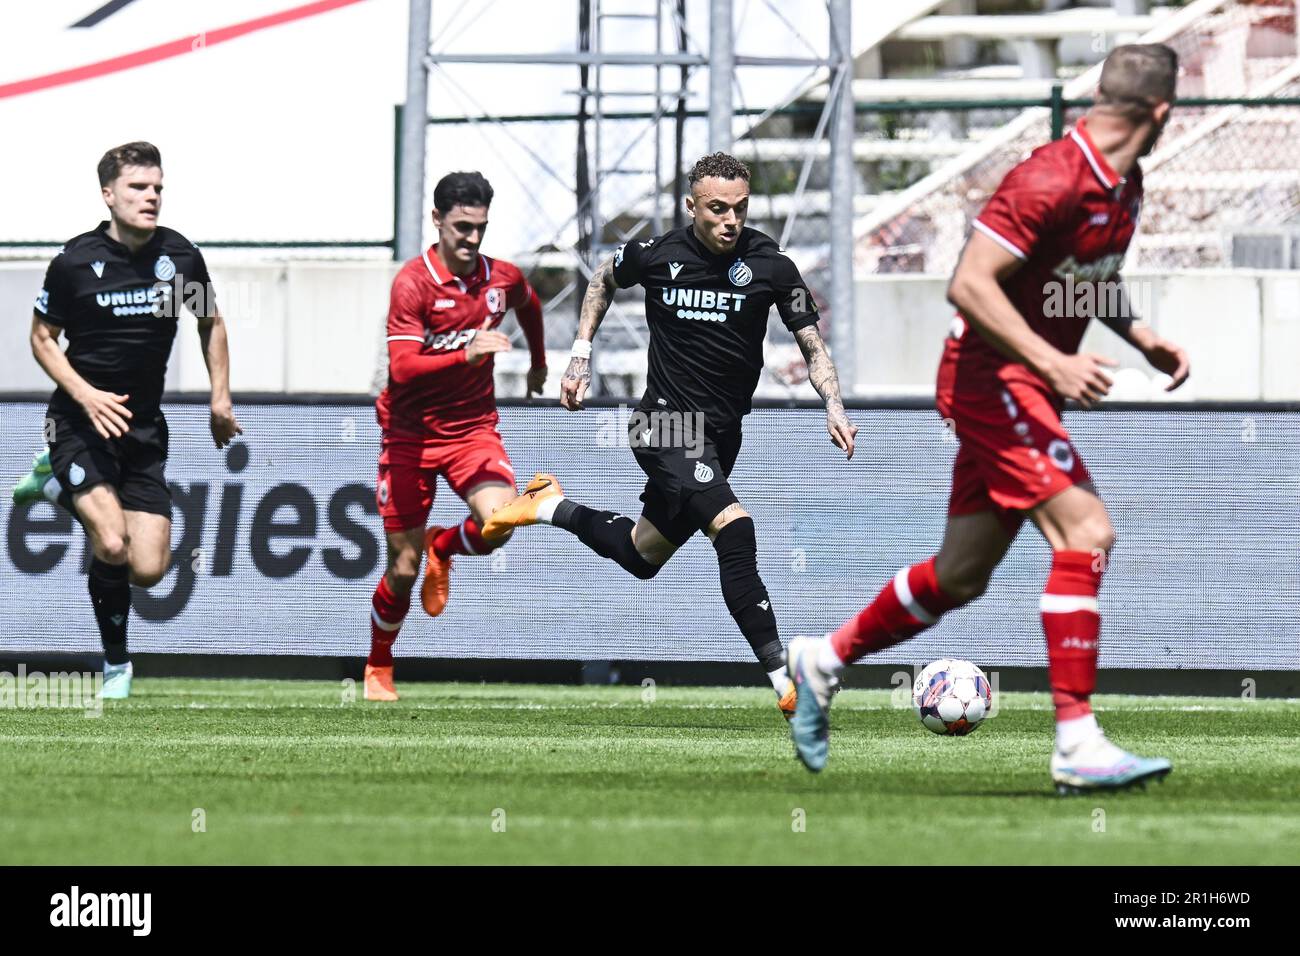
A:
[(383, 491), (98, 268), (164, 269), (496, 301), (739, 273), (1061, 454), (76, 474), (703, 473)]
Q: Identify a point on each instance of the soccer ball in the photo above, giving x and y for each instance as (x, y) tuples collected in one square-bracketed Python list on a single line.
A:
[(952, 697)]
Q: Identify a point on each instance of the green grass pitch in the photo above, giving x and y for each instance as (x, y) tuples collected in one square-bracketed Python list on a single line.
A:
[(287, 772)]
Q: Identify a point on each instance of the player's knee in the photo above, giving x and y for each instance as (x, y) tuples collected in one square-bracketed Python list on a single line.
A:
[(731, 513), (967, 588), (404, 571), (147, 577), (111, 547), (637, 562), (962, 581), (1095, 533), (645, 569)]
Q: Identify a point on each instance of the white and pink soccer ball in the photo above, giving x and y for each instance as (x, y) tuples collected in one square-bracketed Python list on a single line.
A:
[(952, 697)]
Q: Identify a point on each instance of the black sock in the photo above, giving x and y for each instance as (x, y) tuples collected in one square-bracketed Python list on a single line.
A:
[(606, 533), (110, 595), (744, 592)]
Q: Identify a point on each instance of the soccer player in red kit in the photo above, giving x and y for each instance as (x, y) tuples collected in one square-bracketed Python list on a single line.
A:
[(1063, 218), (438, 413)]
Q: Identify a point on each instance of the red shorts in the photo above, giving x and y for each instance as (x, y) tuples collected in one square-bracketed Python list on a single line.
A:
[(409, 470), (1015, 453)]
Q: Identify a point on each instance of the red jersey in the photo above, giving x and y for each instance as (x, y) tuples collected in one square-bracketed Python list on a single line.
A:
[(444, 312), (1069, 216)]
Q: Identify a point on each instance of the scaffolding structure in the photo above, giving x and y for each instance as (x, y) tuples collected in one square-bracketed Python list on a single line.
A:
[(597, 167)]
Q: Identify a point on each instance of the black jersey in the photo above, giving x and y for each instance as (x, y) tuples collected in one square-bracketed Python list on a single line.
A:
[(708, 316), (119, 310)]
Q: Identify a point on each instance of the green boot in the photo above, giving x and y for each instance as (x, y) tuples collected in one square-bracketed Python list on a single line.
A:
[(32, 486)]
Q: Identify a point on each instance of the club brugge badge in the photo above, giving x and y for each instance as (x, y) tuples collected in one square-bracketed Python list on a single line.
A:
[(496, 301), (740, 273), (703, 473), (164, 269), (76, 474)]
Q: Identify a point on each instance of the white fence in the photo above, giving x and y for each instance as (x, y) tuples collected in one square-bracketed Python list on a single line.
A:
[(306, 326)]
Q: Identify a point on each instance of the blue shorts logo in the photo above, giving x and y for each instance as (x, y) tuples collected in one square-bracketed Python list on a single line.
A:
[(740, 274), (164, 269)]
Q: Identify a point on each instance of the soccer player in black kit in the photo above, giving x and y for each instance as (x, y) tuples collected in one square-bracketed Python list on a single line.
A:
[(116, 292), (709, 287)]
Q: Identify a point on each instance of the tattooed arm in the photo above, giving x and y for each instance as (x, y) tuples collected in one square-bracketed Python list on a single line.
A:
[(821, 372), (595, 303)]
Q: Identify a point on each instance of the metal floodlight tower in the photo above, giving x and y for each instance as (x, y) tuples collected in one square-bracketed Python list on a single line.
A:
[(590, 57)]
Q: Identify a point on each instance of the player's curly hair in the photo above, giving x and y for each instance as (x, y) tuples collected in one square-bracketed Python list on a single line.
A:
[(722, 165), (461, 189), (128, 154)]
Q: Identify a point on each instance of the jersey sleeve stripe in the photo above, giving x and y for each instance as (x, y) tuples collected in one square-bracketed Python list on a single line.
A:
[(1006, 244), (406, 338)]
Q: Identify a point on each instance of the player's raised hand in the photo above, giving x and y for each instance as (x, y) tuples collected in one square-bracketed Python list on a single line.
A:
[(573, 387), (107, 412), (224, 425), (1171, 359), (1082, 377), (842, 431), (535, 381)]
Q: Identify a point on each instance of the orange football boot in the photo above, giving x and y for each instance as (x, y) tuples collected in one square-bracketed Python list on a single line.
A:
[(523, 510), (787, 702), (379, 683), (437, 577)]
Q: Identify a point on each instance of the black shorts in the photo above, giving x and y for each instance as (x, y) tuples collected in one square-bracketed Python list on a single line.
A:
[(687, 484), (133, 464)]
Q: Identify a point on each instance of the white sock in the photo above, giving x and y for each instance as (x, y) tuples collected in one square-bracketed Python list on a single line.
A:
[(828, 662), (779, 679), (52, 489), (546, 510), (1071, 733)]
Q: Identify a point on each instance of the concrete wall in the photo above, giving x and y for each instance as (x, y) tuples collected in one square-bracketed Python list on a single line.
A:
[(1241, 329), (303, 326), (317, 326)]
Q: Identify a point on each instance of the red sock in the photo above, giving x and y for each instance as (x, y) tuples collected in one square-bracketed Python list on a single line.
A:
[(904, 608), (387, 611), (1072, 627), (463, 538)]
